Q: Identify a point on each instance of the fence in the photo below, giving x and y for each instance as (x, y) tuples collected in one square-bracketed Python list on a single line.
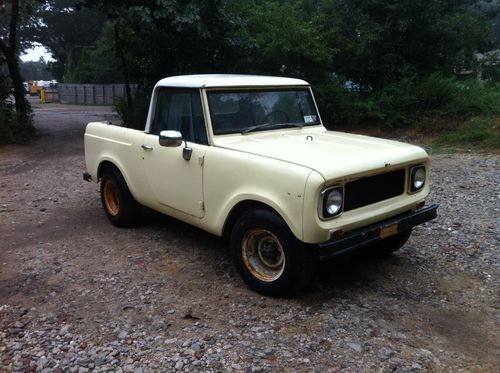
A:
[(91, 94), (49, 95)]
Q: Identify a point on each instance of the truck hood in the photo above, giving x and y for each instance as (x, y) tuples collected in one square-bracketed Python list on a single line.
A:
[(332, 154)]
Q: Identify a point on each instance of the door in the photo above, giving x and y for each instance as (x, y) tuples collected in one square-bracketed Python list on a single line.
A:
[(175, 181)]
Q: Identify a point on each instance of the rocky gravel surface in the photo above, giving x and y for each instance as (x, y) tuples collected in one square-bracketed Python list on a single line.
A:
[(79, 295)]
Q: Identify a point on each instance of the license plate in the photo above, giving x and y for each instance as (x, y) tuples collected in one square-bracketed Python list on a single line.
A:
[(388, 231)]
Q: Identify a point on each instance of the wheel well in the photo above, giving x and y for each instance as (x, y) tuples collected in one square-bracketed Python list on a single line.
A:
[(239, 209), (103, 166)]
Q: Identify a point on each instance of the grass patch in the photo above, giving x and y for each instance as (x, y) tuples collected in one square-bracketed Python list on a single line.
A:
[(477, 133)]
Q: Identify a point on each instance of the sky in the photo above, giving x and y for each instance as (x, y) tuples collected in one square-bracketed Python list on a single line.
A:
[(35, 53)]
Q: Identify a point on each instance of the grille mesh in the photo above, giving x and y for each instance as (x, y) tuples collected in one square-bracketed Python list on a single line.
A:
[(372, 189)]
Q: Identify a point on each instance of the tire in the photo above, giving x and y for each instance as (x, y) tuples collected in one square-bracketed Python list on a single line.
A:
[(267, 255), (391, 244), (119, 205)]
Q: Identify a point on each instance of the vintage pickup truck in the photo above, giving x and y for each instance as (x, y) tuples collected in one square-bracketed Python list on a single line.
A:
[(248, 157)]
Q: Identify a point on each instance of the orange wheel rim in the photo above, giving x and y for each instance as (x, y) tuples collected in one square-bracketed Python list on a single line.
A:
[(263, 254), (111, 198)]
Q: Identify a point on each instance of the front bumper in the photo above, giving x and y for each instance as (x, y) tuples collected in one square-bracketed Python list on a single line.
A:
[(376, 232)]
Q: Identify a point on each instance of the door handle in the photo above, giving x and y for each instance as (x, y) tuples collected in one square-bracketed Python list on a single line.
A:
[(146, 147)]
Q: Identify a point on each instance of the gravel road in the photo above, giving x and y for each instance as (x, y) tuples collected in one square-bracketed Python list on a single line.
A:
[(79, 295)]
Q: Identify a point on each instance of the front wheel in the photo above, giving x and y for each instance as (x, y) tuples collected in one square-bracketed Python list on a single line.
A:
[(268, 256)]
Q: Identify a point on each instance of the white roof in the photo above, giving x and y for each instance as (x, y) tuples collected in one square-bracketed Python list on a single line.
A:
[(227, 80)]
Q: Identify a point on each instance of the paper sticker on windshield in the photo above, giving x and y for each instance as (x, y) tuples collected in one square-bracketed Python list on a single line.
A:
[(310, 119)]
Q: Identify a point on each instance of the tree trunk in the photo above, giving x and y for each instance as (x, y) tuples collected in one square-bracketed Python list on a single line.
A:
[(11, 59), (17, 84), (123, 61)]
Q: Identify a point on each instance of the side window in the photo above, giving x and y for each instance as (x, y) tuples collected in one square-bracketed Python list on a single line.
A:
[(180, 110)]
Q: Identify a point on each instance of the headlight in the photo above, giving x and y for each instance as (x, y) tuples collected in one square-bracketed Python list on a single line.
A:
[(332, 201), (417, 178)]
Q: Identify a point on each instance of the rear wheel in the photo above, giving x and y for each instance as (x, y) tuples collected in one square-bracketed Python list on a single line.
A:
[(268, 256), (120, 206)]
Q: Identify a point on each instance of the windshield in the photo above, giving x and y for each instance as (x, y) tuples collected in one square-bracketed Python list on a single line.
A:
[(259, 110)]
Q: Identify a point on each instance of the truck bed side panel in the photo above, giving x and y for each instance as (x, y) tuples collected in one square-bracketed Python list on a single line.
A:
[(119, 146)]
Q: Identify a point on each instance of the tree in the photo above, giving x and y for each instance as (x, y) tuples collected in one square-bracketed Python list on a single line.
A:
[(10, 47), (67, 32), (156, 38), (162, 37), (381, 41), (98, 64), (35, 70), (281, 38)]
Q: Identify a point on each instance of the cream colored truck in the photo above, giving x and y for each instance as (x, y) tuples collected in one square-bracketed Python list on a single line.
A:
[(248, 157)]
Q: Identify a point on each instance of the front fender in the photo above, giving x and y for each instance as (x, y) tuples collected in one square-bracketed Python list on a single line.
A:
[(232, 177)]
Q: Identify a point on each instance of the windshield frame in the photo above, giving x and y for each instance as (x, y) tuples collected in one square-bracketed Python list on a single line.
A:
[(247, 89)]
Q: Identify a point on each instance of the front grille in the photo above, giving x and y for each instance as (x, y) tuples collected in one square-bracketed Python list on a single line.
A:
[(371, 189)]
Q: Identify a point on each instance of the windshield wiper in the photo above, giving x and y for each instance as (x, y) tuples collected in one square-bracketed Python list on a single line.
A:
[(271, 126)]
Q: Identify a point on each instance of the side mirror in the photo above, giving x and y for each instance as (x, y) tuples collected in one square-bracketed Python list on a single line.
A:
[(171, 139)]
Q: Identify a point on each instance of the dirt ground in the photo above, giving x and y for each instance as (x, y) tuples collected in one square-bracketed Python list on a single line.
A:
[(77, 294)]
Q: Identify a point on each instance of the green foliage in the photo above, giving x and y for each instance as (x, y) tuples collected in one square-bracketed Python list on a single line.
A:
[(371, 60), (35, 70), (479, 133), (470, 98), (390, 62), (169, 37), (338, 104), (27, 22), (490, 68), (280, 38), (14, 128), (380, 42), (97, 64), (134, 117), (410, 100), (67, 32)]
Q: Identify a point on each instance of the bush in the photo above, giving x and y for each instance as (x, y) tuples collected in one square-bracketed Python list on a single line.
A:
[(338, 104), (136, 117), (473, 98), (482, 133), (13, 127), (394, 105), (343, 103), (403, 103)]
